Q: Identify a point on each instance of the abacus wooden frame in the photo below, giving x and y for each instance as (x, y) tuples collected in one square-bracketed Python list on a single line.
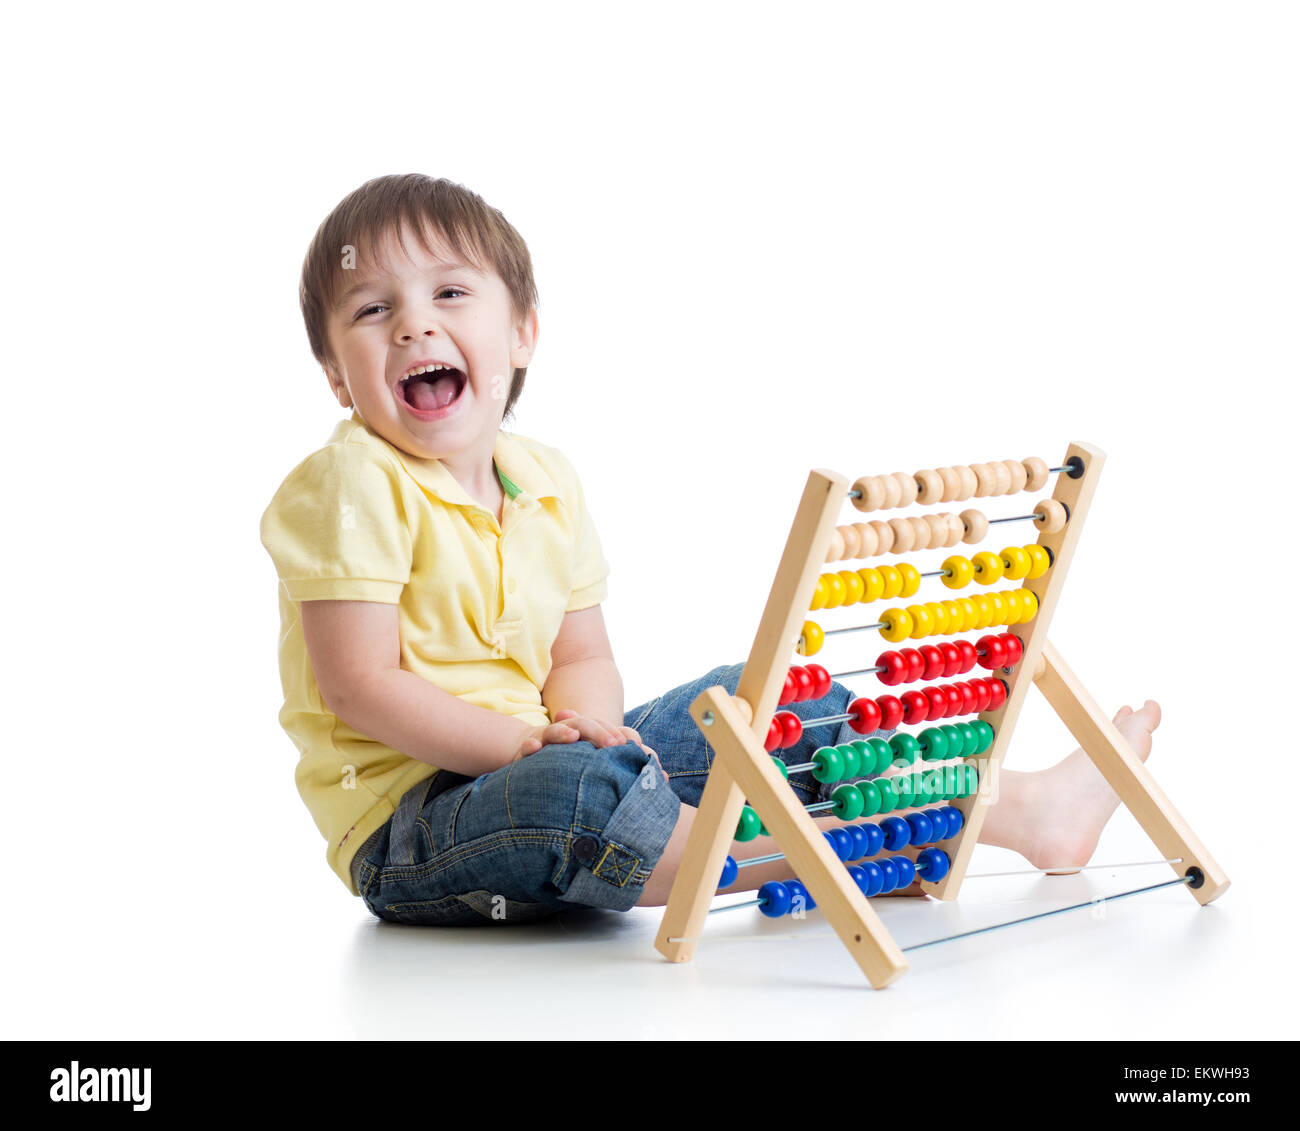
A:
[(736, 725)]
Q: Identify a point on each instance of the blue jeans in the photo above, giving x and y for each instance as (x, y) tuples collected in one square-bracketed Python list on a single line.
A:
[(570, 826)]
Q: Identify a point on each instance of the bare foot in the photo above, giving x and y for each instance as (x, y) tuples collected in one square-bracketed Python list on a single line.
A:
[(1064, 809)]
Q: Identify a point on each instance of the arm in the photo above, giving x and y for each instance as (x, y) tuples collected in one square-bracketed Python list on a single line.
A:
[(584, 681), (355, 654)]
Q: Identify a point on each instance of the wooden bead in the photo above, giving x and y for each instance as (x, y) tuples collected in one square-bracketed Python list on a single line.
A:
[(1001, 478), (975, 527), (884, 536), (871, 493), (929, 487), (920, 532), (868, 544), (908, 488), (1019, 476), (1053, 516), (852, 541), (835, 551), (984, 480), (1036, 470), (951, 484), (938, 529), (904, 538), (893, 491), (956, 529), (968, 483)]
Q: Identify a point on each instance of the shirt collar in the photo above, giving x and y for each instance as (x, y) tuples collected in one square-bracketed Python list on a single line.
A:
[(513, 462)]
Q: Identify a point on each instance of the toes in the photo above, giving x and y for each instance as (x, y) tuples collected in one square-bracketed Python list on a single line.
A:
[(1123, 712)]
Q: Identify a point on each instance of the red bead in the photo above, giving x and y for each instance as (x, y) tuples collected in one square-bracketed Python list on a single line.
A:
[(788, 689), (774, 732), (969, 698), (999, 696), (934, 661), (915, 664), (938, 700), (791, 728), (895, 668), (969, 657), (951, 659), (821, 680), (992, 652), (804, 684), (1015, 649), (891, 711), (954, 700), (983, 694), (916, 707), (864, 715)]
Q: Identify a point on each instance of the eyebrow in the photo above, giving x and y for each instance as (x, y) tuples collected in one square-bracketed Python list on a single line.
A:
[(366, 284)]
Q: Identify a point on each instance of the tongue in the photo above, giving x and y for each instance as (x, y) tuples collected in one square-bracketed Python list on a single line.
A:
[(430, 395)]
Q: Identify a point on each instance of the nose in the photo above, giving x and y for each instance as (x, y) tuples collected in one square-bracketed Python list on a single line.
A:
[(414, 322)]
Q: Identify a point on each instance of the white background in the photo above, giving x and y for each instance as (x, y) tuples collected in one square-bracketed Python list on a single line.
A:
[(866, 237)]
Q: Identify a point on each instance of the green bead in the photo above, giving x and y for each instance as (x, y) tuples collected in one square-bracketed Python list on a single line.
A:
[(749, 824), (951, 782), (828, 766), (905, 788), (870, 791), (848, 802), (934, 744), (852, 760), (865, 756), (934, 784), (882, 755), (972, 780), (888, 794), (781, 766), (905, 748), (970, 740), (985, 732)]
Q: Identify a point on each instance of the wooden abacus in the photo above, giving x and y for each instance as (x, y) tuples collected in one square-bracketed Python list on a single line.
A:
[(746, 789)]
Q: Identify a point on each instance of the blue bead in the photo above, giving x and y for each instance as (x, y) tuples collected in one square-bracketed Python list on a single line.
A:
[(955, 820), (938, 825), (875, 838), (800, 894), (932, 864), (906, 872), (859, 877), (890, 869), (861, 841), (841, 842), (774, 899), (898, 834), (875, 879), (729, 873), (922, 829)]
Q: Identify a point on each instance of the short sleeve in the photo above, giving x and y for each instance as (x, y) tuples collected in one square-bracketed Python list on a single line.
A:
[(337, 530), (590, 570)]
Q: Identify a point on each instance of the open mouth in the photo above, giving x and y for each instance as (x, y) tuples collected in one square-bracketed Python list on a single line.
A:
[(431, 392)]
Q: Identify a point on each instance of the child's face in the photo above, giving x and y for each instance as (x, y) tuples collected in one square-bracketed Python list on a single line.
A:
[(402, 311)]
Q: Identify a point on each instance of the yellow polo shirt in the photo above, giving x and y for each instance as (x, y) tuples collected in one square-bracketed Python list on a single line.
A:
[(479, 603)]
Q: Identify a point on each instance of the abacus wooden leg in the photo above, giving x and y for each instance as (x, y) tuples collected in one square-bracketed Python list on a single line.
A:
[(1127, 775)]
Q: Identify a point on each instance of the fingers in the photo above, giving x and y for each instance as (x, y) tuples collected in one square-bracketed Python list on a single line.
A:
[(594, 731)]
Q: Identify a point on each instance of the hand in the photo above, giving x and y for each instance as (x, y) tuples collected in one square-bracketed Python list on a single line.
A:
[(569, 726)]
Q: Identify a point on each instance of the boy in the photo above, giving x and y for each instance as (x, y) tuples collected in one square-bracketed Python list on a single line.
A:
[(447, 675)]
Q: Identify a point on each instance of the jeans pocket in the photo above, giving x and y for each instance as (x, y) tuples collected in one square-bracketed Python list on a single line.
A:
[(636, 717), (470, 908)]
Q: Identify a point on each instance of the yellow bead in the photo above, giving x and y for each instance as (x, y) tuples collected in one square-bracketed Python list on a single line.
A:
[(811, 639), (873, 583), (898, 625), (1015, 562), (938, 617), (983, 610), (970, 615), (853, 587), (954, 617), (834, 590), (999, 605), (911, 579), (1014, 605), (819, 594), (988, 567), (958, 571), (1029, 605), (893, 581), (1039, 561), (922, 621)]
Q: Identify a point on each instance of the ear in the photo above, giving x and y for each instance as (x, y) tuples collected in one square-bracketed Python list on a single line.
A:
[(524, 341), (337, 387)]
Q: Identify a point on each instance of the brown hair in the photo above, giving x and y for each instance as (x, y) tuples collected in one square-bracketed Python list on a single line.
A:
[(474, 230)]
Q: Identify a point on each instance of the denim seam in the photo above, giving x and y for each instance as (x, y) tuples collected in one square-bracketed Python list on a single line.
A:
[(399, 873)]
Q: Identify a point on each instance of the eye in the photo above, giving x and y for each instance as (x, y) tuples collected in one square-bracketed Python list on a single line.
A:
[(369, 309), (452, 290)]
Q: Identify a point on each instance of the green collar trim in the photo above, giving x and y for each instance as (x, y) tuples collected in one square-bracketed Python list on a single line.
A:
[(511, 489)]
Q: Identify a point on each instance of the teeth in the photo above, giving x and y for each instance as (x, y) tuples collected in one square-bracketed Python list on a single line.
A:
[(425, 369)]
